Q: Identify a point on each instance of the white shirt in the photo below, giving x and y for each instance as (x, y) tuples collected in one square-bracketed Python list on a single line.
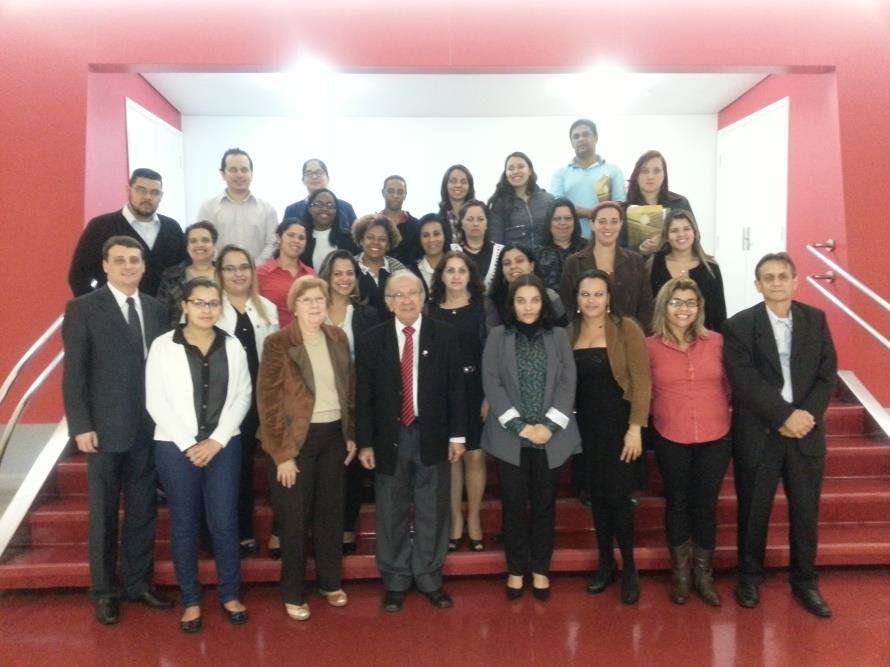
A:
[(147, 230), (426, 272), (121, 299), (782, 330), (249, 224), (322, 249), (346, 326)]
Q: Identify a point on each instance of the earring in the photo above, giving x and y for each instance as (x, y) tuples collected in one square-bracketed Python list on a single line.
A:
[(579, 310)]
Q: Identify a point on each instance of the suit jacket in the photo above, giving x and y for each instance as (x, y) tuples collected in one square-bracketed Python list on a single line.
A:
[(86, 265), (442, 407), (500, 379), (755, 375), (103, 382)]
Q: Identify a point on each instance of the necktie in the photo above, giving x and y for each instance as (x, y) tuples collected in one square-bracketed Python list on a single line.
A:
[(134, 323), (408, 378)]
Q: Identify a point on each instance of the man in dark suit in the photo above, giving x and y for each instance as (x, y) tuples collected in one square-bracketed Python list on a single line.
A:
[(782, 367), (161, 237), (107, 334), (410, 425)]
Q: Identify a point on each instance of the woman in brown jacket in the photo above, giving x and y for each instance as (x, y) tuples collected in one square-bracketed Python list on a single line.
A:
[(307, 414), (612, 400), (632, 292)]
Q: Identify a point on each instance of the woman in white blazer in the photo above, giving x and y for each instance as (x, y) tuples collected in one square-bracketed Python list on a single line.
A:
[(197, 392), (249, 317)]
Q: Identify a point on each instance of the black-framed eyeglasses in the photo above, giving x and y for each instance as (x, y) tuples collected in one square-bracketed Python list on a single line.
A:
[(689, 303)]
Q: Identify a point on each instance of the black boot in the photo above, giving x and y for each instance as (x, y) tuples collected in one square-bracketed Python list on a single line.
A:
[(681, 562), (602, 522), (703, 578), (630, 584)]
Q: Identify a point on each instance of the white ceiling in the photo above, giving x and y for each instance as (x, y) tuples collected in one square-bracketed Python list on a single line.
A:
[(455, 95)]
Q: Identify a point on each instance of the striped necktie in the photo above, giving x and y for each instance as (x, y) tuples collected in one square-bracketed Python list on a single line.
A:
[(408, 378)]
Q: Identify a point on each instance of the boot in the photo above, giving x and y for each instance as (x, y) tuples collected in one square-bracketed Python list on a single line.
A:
[(681, 562), (630, 584), (604, 576), (702, 574)]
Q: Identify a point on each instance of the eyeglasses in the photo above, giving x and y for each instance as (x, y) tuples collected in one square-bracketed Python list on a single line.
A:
[(410, 294), (139, 190), (312, 300), (330, 206), (204, 305), (689, 303), (314, 173), (241, 268)]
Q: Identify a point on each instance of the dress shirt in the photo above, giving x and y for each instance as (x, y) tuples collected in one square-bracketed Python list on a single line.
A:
[(400, 337), (690, 390), (387, 266), (147, 229), (249, 224), (121, 300), (275, 282), (782, 330)]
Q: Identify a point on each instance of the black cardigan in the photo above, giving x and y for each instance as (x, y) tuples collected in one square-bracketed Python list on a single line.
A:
[(711, 287)]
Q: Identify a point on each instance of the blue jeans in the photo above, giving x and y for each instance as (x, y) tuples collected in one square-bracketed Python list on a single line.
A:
[(217, 484)]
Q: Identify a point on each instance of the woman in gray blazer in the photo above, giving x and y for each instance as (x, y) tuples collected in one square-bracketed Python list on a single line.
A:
[(528, 375)]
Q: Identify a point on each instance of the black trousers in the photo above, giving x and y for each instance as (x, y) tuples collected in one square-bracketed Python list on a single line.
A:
[(314, 503), (108, 474), (355, 480), (528, 499), (756, 488), (692, 477), (245, 483)]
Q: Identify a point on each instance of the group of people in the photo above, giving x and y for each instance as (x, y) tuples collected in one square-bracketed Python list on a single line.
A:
[(406, 350)]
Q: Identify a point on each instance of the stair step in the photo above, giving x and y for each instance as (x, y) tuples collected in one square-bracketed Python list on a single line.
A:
[(65, 520), (840, 544)]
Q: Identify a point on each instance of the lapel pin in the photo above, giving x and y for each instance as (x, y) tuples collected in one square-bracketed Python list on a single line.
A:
[(425, 352)]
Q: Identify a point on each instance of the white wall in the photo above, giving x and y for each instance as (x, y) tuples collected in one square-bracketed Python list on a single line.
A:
[(361, 152)]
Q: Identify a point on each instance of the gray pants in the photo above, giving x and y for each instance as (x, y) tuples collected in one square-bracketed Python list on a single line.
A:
[(400, 559)]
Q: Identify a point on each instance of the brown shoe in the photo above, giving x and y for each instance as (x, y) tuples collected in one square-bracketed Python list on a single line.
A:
[(702, 576), (681, 558)]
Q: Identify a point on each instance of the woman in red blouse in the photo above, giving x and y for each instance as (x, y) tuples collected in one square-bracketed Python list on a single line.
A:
[(690, 409), (277, 275)]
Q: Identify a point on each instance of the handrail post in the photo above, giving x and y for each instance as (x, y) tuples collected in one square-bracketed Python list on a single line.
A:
[(828, 244)]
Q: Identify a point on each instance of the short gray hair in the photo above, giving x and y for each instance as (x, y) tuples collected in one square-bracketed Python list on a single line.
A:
[(405, 273)]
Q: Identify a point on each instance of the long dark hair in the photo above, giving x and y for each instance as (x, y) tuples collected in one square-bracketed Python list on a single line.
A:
[(575, 241), (504, 193), (613, 312), (444, 199), (336, 221), (547, 318), (429, 219), (634, 196), (286, 224), (499, 287), (475, 286)]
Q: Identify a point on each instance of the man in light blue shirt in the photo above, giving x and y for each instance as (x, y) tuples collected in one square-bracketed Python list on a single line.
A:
[(588, 179)]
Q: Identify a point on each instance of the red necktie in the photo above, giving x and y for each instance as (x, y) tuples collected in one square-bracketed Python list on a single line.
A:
[(408, 378)]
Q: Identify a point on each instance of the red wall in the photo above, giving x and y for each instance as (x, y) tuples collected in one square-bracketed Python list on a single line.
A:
[(46, 50)]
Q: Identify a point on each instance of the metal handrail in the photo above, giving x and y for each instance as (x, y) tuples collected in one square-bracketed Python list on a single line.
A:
[(34, 349), (865, 289), (23, 403), (849, 311)]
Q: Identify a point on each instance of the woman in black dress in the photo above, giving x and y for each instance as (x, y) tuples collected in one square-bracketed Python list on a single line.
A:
[(681, 256), (457, 297), (612, 401)]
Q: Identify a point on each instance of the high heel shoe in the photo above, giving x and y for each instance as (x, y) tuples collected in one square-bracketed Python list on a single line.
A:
[(335, 598), (477, 545), (192, 626), (515, 593), (350, 547), (454, 543), (541, 593), (236, 617), (298, 612)]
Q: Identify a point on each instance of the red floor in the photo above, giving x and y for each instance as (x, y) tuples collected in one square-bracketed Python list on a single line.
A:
[(573, 628)]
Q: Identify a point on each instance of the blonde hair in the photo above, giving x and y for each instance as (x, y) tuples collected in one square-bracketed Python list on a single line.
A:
[(659, 318), (302, 285), (253, 293)]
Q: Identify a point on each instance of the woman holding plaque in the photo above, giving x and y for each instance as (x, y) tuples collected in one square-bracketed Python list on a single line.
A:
[(648, 188)]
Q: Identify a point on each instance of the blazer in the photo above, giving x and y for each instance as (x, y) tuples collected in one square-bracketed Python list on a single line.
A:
[(261, 328), (500, 380), (103, 381), (170, 394), (286, 390), (755, 376), (442, 406), (631, 290), (86, 265)]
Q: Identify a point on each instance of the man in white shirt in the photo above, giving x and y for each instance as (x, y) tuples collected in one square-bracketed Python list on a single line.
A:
[(241, 218)]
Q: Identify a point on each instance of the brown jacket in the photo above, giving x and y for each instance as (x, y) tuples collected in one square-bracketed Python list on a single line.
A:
[(629, 359), (631, 290), (286, 390)]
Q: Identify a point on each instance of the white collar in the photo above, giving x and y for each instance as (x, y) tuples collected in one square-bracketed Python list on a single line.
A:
[(120, 297), (128, 214)]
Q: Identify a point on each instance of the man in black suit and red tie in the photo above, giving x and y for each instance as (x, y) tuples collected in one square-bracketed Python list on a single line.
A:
[(107, 334), (410, 425), (782, 368)]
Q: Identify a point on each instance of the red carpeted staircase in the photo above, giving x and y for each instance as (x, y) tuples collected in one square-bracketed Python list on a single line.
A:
[(50, 549)]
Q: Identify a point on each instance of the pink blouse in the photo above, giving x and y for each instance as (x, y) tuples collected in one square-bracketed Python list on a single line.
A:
[(690, 390)]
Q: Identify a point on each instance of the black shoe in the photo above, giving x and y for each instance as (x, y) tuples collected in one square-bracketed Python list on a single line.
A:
[(630, 586), (248, 548), (393, 601), (514, 593), (604, 577), (454, 544), (274, 553), (150, 598), (812, 601), (477, 545), (107, 611), (542, 594), (584, 498), (192, 626), (350, 547), (236, 617), (747, 595), (440, 599)]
